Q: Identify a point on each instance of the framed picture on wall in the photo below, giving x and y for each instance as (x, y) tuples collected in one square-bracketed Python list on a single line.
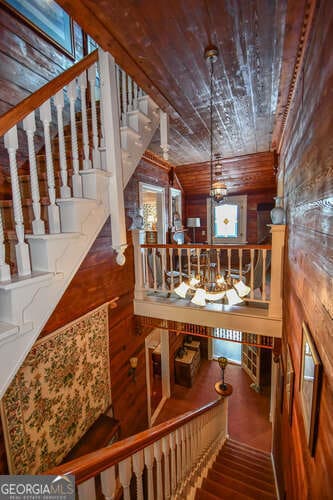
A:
[(48, 18), (310, 381), (290, 378)]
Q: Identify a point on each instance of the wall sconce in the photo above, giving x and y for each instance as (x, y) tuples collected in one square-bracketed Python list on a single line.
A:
[(132, 371)]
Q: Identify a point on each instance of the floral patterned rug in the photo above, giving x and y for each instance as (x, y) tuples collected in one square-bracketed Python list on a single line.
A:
[(60, 390)]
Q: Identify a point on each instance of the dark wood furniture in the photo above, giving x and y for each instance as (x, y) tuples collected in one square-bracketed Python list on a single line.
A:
[(187, 367)]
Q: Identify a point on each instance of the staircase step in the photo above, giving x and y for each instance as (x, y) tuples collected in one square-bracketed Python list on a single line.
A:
[(264, 459), (245, 460), (201, 494), (222, 491), (242, 487), (7, 330), (241, 475), (249, 467), (248, 448)]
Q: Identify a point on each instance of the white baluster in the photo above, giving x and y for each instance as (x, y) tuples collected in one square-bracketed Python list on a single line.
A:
[(92, 82), (179, 455), (86, 490), (52, 209), (166, 453), (229, 262), (188, 251), (4, 268), (163, 255), (65, 191), (158, 458), (124, 98), (264, 254), (154, 268), (149, 461), (240, 258), (183, 444), (218, 251), (76, 178), (125, 474), (252, 272), (118, 88), (82, 80), (138, 466), (29, 125), (146, 268), (21, 249), (171, 269), (180, 264), (109, 484), (135, 96), (173, 462)]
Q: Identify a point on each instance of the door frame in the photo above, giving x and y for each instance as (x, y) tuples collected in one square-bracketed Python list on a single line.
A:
[(150, 188)]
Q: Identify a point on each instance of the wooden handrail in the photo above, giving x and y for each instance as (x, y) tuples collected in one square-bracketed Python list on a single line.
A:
[(33, 101), (210, 247), (92, 464)]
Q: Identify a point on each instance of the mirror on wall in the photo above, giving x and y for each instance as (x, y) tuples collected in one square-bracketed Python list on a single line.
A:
[(175, 209)]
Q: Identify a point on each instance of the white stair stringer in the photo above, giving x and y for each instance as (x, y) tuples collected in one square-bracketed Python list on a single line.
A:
[(136, 137), (27, 303)]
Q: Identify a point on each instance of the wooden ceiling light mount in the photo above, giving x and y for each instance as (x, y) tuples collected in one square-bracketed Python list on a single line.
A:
[(211, 54)]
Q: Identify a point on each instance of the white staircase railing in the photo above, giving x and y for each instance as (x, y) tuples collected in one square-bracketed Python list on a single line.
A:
[(75, 182), (164, 462)]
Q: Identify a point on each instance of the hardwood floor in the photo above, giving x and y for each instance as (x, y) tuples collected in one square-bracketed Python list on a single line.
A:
[(248, 410)]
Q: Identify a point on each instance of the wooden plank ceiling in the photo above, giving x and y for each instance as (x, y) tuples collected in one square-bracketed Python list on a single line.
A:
[(162, 43)]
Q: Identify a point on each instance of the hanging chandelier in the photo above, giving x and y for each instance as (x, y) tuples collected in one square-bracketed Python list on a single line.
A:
[(218, 188), (210, 286)]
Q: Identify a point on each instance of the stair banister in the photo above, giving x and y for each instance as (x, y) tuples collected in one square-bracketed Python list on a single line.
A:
[(19, 112), (212, 415)]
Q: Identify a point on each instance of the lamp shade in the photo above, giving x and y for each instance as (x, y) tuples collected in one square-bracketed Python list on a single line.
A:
[(233, 297), (242, 289), (199, 298), (193, 222), (182, 289)]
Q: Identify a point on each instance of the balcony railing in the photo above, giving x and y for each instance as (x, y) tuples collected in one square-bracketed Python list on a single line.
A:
[(160, 269)]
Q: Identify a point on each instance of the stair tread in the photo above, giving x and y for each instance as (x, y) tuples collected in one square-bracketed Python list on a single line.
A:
[(263, 484), (250, 467), (245, 459), (243, 452), (241, 486), (202, 494), (246, 446), (246, 472), (222, 491)]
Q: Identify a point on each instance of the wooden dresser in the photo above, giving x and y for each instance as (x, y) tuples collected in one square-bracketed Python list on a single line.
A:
[(187, 367)]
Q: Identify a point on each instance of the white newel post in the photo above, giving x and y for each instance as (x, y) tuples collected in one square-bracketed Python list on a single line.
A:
[(21, 248), (113, 153), (275, 305), (29, 125), (164, 131), (52, 209), (4, 268), (65, 191), (76, 178), (138, 238)]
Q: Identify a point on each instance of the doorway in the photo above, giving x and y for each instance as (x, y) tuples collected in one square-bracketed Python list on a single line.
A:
[(152, 203)]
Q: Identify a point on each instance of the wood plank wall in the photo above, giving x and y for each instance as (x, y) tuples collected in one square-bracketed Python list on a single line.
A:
[(196, 206), (307, 159), (27, 61)]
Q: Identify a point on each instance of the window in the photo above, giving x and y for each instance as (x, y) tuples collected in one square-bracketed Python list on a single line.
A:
[(228, 219)]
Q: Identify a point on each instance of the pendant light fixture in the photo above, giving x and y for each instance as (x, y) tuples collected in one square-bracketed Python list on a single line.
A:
[(218, 188)]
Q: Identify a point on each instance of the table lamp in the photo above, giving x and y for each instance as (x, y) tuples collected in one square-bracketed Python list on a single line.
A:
[(193, 222)]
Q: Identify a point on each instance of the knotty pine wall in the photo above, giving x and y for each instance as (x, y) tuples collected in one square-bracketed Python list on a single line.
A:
[(307, 157), (27, 62), (196, 206)]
